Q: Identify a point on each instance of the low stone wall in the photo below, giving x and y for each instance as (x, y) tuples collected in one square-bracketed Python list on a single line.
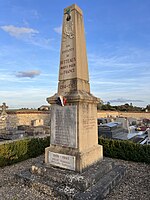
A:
[(105, 114), (26, 118), (137, 115)]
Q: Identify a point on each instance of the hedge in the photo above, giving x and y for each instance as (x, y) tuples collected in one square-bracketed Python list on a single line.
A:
[(16, 151), (19, 150), (125, 150)]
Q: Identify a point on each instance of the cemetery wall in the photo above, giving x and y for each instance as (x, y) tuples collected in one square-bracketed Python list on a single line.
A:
[(137, 115), (105, 114), (24, 118), (17, 119)]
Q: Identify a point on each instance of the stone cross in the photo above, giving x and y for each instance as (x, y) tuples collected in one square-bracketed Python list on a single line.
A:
[(4, 107)]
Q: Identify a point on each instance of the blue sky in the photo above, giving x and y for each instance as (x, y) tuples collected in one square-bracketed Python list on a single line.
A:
[(118, 48)]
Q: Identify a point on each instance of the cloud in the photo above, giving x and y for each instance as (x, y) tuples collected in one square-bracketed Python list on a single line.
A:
[(121, 76), (19, 32), (122, 100), (122, 58), (28, 35), (28, 74), (58, 29), (112, 61)]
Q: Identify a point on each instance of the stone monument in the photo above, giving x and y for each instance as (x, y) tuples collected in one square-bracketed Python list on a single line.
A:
[(74, 167), (74, 137)]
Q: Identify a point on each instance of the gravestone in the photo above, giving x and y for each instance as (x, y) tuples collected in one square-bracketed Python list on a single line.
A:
[(124, 121), (3, 118), (4, 107), (74, 126)]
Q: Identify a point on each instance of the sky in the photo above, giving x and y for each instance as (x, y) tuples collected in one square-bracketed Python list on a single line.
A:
[(117, 41)]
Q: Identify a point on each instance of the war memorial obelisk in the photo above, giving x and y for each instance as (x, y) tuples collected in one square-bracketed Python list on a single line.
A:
[(74, 137), (74, 167)]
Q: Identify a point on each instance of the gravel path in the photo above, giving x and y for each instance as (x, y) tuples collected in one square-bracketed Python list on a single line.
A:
[(135, 185)]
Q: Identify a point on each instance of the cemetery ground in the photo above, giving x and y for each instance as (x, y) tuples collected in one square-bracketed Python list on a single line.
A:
[(134, 185)]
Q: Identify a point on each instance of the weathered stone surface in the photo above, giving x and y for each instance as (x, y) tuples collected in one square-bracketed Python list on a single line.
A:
[(73, 72), (94, 183), (103, 186), (83, 159), (62, 160), (64, 126), (136, 115), (12, 120), (83, 181)]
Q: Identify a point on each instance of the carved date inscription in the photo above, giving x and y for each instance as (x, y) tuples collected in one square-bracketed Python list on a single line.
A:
[(68, 85)]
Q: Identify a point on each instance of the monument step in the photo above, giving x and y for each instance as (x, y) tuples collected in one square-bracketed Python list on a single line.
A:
[(94, 183), (103, 187), (43, 185), (83, 180)]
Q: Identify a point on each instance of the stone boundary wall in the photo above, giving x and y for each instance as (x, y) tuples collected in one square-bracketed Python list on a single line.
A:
[(105, 114), (15, 119), (25, 118), (137, 115)]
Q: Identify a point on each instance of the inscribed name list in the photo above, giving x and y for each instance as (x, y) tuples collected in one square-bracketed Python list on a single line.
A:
[(64, 126)]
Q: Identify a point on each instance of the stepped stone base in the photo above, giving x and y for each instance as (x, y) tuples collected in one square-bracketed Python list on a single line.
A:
[(92, 184)]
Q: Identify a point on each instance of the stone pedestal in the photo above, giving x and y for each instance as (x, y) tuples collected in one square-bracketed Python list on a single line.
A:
[(82, 141)]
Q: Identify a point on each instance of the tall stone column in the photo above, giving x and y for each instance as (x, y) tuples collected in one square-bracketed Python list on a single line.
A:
[(74, 135)]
